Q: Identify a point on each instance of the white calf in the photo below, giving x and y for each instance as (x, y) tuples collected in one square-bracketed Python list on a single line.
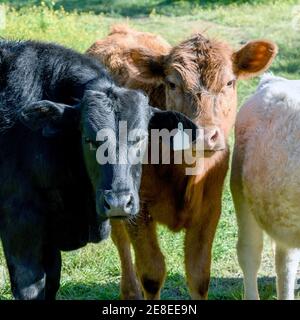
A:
[(265, 181)]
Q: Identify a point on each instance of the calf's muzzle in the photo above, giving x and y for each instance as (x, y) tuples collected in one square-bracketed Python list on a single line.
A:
[(214, 139), (118, 204)]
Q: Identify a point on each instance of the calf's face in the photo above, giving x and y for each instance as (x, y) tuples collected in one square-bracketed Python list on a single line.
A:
[(199, 76), (114, 124), (114, 137)]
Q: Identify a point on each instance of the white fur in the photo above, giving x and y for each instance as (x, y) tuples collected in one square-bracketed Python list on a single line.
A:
[(266, 181)]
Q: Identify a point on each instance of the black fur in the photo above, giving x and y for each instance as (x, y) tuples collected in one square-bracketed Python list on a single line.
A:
[(47, 202)]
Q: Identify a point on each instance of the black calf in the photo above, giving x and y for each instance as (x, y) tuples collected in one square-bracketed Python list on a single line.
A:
[(53, 192)]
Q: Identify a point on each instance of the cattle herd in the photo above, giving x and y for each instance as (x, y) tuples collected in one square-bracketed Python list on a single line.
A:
[(56, 193)]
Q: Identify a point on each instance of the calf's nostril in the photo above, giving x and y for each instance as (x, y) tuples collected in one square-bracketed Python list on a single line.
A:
[(106, 205), (129, 203), (214, 137)]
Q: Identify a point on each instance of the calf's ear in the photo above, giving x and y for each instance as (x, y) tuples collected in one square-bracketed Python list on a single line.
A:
[(171, 120), (254, 58), (145, 66), (48, 116)]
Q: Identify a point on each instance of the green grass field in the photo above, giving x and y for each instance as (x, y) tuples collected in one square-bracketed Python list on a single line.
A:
[(94, 272)]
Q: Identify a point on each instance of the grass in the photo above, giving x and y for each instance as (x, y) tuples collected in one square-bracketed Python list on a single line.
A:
[(138, 8), (94, 272)]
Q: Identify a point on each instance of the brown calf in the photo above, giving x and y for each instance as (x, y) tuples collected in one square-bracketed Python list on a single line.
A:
[(197, 77)]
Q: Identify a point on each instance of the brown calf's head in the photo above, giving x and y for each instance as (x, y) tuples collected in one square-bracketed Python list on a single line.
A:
[(199, 76)]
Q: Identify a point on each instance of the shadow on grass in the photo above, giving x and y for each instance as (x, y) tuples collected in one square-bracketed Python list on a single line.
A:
[(174, 289), (89, 291), (232, 288), (133, 8), (220, 288)]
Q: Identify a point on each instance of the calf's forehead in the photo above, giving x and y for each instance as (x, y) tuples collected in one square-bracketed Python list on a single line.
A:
[(97, 119), (135, 117), (201, 62), (133, 108)]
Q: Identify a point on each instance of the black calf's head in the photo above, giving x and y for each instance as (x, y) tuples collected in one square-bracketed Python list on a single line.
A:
[(114, 126), (114, 134)]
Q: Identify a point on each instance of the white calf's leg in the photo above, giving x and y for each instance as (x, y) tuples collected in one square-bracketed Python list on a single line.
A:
[(286, 268), (249, 249)]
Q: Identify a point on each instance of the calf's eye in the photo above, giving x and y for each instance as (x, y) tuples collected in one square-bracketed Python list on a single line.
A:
[(171, 85), (230, 83)]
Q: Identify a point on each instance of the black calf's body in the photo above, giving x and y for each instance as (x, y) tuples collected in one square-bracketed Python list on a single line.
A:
[(47, 202), (54, 195)]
